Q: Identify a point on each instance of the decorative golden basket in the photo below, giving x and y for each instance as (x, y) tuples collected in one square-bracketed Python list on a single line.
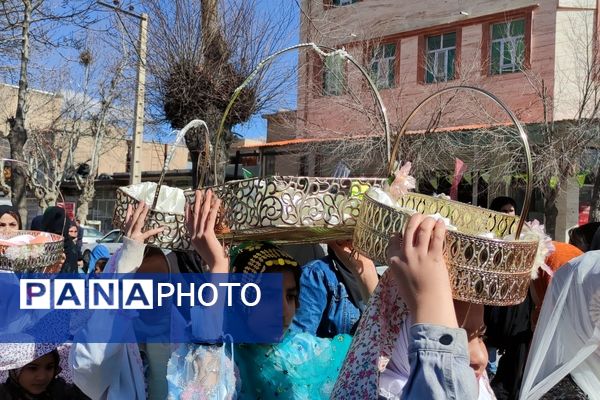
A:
[(482, 270), (167, 204), (34, 257), (289, 209)]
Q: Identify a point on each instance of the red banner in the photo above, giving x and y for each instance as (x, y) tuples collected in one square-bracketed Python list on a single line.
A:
[(69, 207), (459, 169)]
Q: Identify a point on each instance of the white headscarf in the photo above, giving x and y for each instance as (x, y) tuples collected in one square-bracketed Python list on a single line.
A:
[(567, 336)]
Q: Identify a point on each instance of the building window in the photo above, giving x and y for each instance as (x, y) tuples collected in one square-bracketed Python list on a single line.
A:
[(507, 47), (383, 61), (334, 77), (440, 58), (344, 2)]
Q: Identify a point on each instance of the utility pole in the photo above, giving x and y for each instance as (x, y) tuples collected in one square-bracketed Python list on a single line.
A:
[(135, 171)]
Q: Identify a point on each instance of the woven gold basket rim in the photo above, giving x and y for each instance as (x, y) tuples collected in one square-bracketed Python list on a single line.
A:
[(488, 280), (280, 229), (31, 263)]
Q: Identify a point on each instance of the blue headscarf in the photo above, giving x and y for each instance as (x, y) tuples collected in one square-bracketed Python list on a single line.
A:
[(100, 251)]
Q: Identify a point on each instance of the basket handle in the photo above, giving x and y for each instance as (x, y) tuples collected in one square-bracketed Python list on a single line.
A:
[(180, 135), (516, 122), (325, 51)]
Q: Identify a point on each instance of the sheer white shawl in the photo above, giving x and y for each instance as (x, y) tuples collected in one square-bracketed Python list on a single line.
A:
[(567, 337)]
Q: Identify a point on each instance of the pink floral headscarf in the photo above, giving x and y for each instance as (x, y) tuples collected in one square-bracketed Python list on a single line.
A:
[(373, 343)]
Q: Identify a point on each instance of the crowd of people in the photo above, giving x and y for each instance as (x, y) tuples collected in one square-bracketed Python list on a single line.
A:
[(348, 332)]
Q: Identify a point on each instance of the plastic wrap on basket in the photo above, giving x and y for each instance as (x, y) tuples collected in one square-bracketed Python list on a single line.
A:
[(39, 252), (483, 270), (169, 212)]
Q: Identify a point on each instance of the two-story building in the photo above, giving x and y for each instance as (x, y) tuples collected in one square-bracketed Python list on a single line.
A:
[(536, 56)]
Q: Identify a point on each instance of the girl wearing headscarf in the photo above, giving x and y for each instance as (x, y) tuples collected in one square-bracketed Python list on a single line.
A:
[(34, 375), (14, 355), (424, 354), (301, 366), (380, 361), (564, 361), (100, 251), (117, 370)]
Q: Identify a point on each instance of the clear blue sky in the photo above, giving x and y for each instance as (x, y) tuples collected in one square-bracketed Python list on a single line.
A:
[(255, 127)]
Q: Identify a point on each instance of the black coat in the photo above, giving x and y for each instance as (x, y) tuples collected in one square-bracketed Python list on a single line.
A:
[(55, 221)]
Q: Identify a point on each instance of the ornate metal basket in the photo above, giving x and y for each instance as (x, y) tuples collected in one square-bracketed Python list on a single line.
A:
[(289, 209), (482, 270), (38, 257), (175, 235), (167, 203)]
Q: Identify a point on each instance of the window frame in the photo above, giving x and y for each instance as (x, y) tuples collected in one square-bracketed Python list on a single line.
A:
[(344, 80), (436, 52), (486, 48), (422, 53), (369, 60), (318, 77)]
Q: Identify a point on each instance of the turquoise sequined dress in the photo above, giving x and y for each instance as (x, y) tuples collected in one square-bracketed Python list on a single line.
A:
[(301, 367)]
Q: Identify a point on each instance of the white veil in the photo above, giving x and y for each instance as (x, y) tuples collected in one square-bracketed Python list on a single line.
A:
[(567, 337)]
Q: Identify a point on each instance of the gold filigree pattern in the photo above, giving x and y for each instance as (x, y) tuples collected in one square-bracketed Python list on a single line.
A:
[(31, 258), (286, 209), (175, 235), (482, 271)]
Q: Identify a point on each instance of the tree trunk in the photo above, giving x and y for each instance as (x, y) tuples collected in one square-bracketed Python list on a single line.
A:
[(595, 206), (550, 211), (203, 166), (85, 198), (17, 135)]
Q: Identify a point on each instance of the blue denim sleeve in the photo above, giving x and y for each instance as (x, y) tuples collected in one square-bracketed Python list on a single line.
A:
[(313, 299), (439, 365)]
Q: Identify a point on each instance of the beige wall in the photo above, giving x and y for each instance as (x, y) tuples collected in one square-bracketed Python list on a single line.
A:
[(42, 108), (574, 61), (113, 158), (349, 25), (281, 126)]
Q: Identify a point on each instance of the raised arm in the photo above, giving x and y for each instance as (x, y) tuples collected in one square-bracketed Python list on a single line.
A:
[(114, 370), (200, 219), (438, 350)]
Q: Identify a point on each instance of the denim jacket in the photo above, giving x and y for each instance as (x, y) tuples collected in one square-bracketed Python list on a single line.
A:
[(439, 365), (325, 307)]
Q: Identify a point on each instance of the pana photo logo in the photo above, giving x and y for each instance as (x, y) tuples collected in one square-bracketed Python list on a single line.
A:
[(132, 294)]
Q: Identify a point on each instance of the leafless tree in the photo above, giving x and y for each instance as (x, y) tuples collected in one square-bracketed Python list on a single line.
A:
[(200, 52), (33, 24)]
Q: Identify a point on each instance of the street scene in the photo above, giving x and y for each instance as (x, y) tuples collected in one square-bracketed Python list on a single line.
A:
[(299, 199)]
